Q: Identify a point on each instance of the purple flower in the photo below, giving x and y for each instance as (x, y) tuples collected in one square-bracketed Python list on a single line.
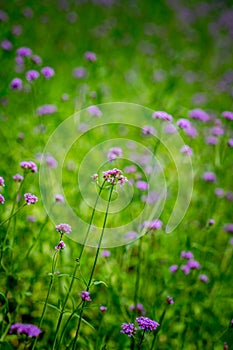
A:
[(211, 140), (61, 245), (192, 132), (31, 218), (95, 111), (24, 52), (193, 264), (130, 169), (162, 115), (28, 329), (148, 130), (85, 295), (228, 228), (63, 228), (17, 30), (32, 75), (79, 72), (29, 166), (3, 16), (230, 143), (170, 300), (155, 224), (217, 131), (211, 222), (183, 123), (199, 114), (106, 253), (204, 278), (187, 150), (186, 255), (229, 196), (18, 178), (30, 198), (103, 309), (131, 235), (114, 176), (227, 115), (146, 323), (46, 109), (90, 56), (59, 198), (170, 129), (209, 176), (114, 153), (51, 161), (185, 269), (27, 12), (6, 45), (16, 84), (2, 183), (173, 268), (36, 59), (219, 192), (139, 308), (128, 328), (142, 185), (47, 72), (2, 199)]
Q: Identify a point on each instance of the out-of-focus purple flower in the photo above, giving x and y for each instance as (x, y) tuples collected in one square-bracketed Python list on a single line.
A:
[(139, 308), (79, 72), (32, 75), (219, 192), (37, 59), (186, 255), (131, 235), (211, 140), (170, 300), (217, 131), (28, 329), (29, 166), (2, 199), (227, 115), (31, 218), (209, 176), (146, 323), (130, 169), (230, 143), (199, 114), (114, 176), (63, 228), (46, 109), (16, 84), (192, 132), (65, 97), (128, 329), (17, 30), (204, 278), (231, 241), (151, 198), (148, 130), (2, 182), (228, 228), (183, 123), (142, 185), (103, 309), (51, 161), (211, 222), (27, 12), (61, 245), (185, 269), (47, 72), (113, 153), (90, 56), (72, 17), (106, 253), (155, 224), (162, 115), (95, 111), (85, 296), (59, 198), (6, 45), (18, 178), (3, 16), (170, 129), (30, 198), (173, 268), (187, 150), (24, 52), (229, 196), (193, 264)]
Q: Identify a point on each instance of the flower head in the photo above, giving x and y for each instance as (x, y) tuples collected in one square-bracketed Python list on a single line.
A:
[(47, 72), (16, 84), (155, 224), (103, 309), (63, 228), (114, 176), (199, 114), (128, 328), (2, 183), (59, 198), (29, 166), (30, 198), (173, 268), (227, 115), (204, 278), (2, 199), (209, 176), (142, 185), (95, 111), (183, 123), (139, 308), (28, 329), (114, 153), (90, 56), (187, 150), (61, 245), (170, 300), (148, 130), (186, 255), (32, 75), (6, 45), (46, 109), (24, 52), (85, 295), (162, 115), (146, 323), (228, 228), (18, 178)]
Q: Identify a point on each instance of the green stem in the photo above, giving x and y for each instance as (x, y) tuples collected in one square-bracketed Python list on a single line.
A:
[(93, 268), (75, 271), (141, 340), (33, 244)]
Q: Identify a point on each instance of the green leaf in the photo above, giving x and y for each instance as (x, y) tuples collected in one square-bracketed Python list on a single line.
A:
[(5, 346), (96, 283)]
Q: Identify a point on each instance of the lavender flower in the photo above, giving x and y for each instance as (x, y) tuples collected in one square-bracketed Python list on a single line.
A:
[(6, 45), (186, 255), (128, 328), (29, 166), (173, 268), (162, 115), (187, 150), (2, 182), (30, 198), (199, 114), (32, 75), (46, 109), (2, 199), (63, 228), (146, 323), (59, 198), (16, 84), (148, 130), (183, 123), (209, 176), (47, 72), (85, 296), (61, 245), (227, 115), (95, 111), (228, 228), (142, 185), (204, 278), (28, 329), (114, 153), (193, 264), (90, 56), (217, 131), (24, 52), (114, 176), (18, 178)]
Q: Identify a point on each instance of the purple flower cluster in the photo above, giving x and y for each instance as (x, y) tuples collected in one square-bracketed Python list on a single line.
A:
[(114, 153), (139, 308), (61, 245), (148, 130), (2, 199), (24, 52), (32, 75), (85, 295), (95, 111), (146, 323), (16, 84), (28, 329), (29, 166), (142, 185), (30, 198), (114, 176), (79, 72), (90, 56), (227, 115), (47, 72), (63, 228), (209, 176), (128, 329), (187, 150), (162, 115), (18, 178), (2, 182), (46, 109), (155, 224), (199, 114)]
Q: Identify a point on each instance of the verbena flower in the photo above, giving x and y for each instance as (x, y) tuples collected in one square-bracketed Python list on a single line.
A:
[(2, 182), (173, 268), (95, 111), (28, 329), (59, 198), (103, 309), (30, 198), (146, 323), (46, 109), (105, 253), (139, 308), (211, 140), (186, 255), (16, 84), (204, 278), (199, 114), (148, 130), (90, 56), (155, 224), (47, 72), (227, 115), (114, 153), (29, 166), (230, 142), (63, 228), (187, 150), (142, 185), (114, 176), (24, 52), (128, 328), (2, 199), (61, 245), (79, 72), (209, 176), (228, 228), (193, 264), (183, 123), (32, 75), (185, 269), (36, 59), (170, 300), (162, 115), (85, 295), (18, 178), (6, 45)]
